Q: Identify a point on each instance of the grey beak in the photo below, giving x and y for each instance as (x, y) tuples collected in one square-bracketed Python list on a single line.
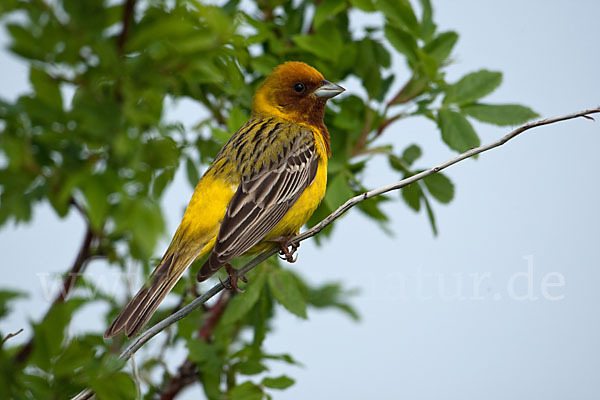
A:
[(328, 90)]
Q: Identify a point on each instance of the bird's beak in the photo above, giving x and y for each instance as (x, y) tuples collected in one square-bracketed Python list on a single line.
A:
[(328, 90)]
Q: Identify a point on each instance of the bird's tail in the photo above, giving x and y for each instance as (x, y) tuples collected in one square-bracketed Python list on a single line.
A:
[(140, 309), (209, 268)]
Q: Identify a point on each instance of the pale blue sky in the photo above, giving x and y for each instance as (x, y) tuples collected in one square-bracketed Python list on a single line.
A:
[(531, 205)]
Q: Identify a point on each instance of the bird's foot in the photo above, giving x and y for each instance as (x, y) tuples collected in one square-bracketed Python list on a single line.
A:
[(287, 249), (232, 283)]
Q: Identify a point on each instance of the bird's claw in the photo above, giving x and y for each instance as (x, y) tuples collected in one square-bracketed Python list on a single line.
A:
[(287, 251), (231, 283)]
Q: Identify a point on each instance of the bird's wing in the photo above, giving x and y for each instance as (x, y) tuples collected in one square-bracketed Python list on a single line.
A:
[(265, 196)]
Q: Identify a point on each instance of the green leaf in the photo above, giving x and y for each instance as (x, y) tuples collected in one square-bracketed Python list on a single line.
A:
[(281, 382), (338, 191), (245, 391), (25, 43), (473, 86), (441, 46), (250, 367), (428, 66), (397, 163), (326, 43), (332, 295), (192, 172), (431, 216), (403, 42), (440, 187), (372, 209), (37, 386), (6, 297), (201, 352), (218, 134), (50, 332), (411, 154), (282, 357), (382, 55), (261, 315), (367, 67), (500, 114), (76, 355), (428, 27), (284, 287), (385, 87), (240, 305), (114, 386), (46, 88), (365, 5), (161, 181), (413, 88), (142, 219), (148, 36), (400, 13), (237, 118), (457, 132), (264, 63), (412, 195), (327, 9), (95, 197)]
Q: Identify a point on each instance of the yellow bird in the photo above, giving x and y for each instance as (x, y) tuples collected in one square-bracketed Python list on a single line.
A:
[(261, 188)]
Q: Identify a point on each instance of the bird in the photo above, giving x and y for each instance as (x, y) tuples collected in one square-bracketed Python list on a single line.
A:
[(261, 188)]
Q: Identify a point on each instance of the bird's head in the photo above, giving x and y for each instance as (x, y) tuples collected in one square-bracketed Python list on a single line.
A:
[(295, 91)]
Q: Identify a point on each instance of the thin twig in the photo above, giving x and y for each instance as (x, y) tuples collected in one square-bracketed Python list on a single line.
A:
[(11, 335), (154, 330)]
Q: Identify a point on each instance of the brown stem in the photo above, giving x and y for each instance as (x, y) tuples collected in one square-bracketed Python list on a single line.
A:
[(128, 10), (68, 282), (11, 335), (79, 208), (186, 373), (388, 122), (409, 91)]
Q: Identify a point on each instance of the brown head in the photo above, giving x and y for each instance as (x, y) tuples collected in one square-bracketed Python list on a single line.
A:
[(297, 92)]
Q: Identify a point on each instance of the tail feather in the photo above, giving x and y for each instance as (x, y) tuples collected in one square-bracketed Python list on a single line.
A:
[(140, 309), (208, 268)]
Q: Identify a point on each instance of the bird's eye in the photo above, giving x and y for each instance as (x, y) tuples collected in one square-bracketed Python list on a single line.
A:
[(299, 87)]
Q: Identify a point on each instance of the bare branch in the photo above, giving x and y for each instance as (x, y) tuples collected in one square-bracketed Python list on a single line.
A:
[(154, 330)]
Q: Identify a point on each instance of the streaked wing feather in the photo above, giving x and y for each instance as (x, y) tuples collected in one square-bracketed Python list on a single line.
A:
[(262, 200)]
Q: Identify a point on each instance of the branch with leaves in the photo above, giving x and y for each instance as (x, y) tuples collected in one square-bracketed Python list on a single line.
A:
[(94, 134), (198, 302)]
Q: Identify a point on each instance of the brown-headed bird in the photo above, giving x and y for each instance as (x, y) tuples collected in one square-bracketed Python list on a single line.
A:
[(261, 188)]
